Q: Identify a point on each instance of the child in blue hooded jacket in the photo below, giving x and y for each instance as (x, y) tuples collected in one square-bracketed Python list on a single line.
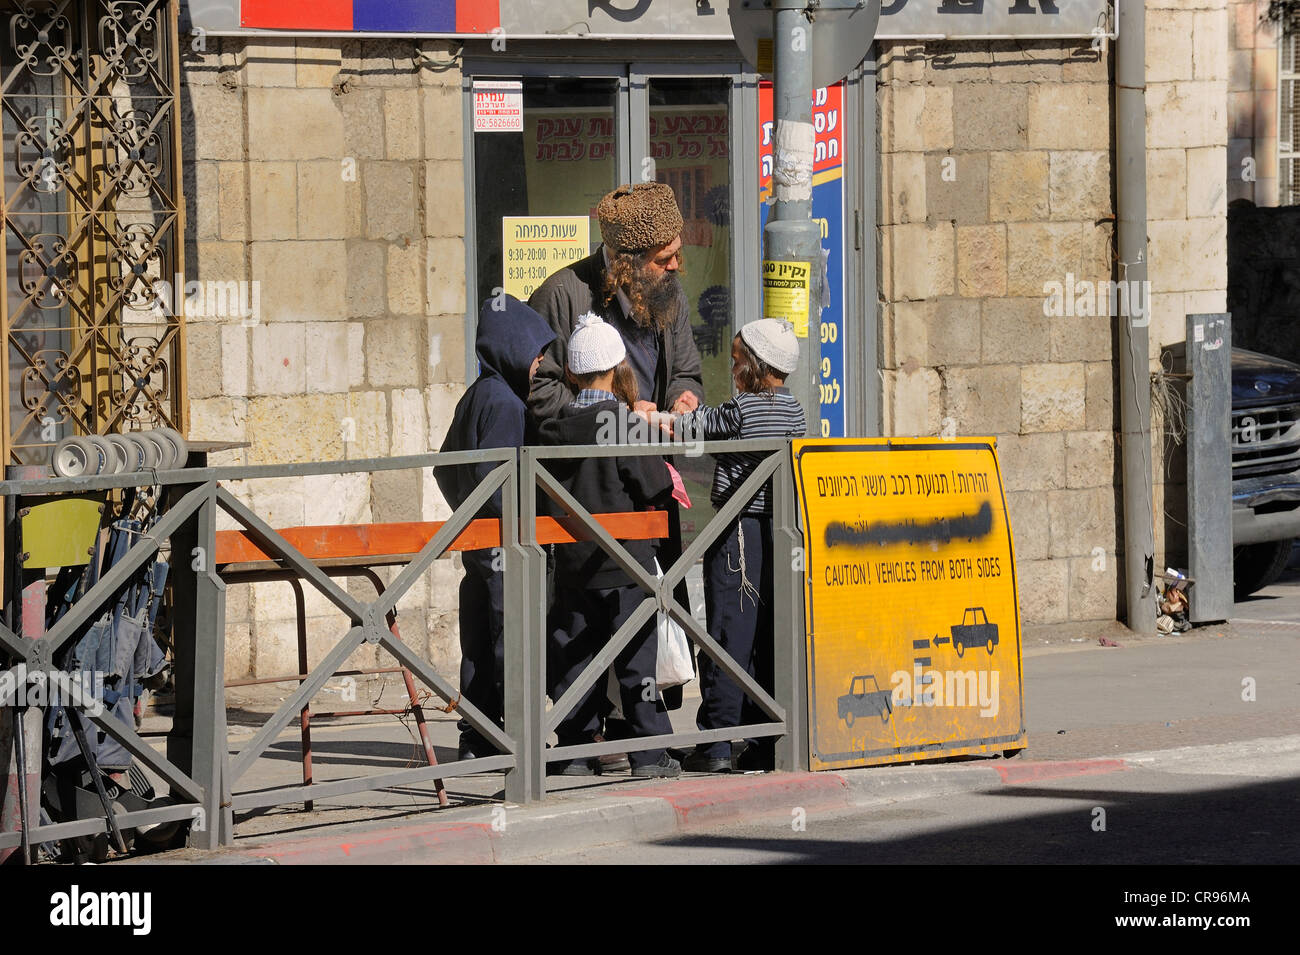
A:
[(510, 343)]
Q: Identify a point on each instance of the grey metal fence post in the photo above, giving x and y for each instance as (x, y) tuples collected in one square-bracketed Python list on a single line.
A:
[(197, 743), (791, 686), (525, 627)]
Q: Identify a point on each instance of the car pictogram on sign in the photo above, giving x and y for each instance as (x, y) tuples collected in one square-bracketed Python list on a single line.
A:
[(974, 631), (865, 698)]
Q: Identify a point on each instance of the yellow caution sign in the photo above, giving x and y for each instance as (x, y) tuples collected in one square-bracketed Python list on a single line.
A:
[(786, 288), (910, 601)]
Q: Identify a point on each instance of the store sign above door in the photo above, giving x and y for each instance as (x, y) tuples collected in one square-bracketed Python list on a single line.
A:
[(634, 19)]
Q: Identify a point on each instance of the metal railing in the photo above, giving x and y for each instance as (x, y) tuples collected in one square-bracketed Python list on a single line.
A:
[(204, 774)]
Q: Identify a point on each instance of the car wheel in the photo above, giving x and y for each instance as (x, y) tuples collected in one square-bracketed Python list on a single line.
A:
[(989, 646), (849, 717), (961, 647), (1255, 566)]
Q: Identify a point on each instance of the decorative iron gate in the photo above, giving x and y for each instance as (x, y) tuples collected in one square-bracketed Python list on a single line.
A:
[(92, 218)]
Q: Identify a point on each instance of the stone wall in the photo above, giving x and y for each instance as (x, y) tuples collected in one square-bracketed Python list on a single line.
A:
[(997, 181), (1252, 103), (988, 192), (331, 174), (1188, 69)]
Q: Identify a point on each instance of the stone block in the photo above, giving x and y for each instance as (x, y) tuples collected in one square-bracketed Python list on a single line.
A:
[(446, 336), (1210, 45), (1169, 45), (337, 498), (1206, 191), (300, 427), (1070, 116), (216, 116), (302, 281), (1018, 186), (405, 277), (441, 402), (958, 63), (923, 260), (1025, 61), (1052, 397), (1027, 513), (293, 124), (1241, 117), (270, 62), (1014, 331), (918, 118), (390, 200), (319, 62), (1241, 64), (901, 61), (1187, 114), (908, 330), (953, 333), (433, 506), (393, 352), (324, 211), (397, 496), (356, 355), (369, 412), (1090, 459), (366, 273), (272, 200), (232, 200), (363, 123), (1081, 520), (1083, 337), (327, 357), (993, 116), (983, 399), (445, 278), (1032, 462), (409, 434), (1265, 73), (912, 402), (444, 198), (1042, 586), (903, 192), (1166, 183), (203, 360), (202, 182), (234, 360), (1041, 253), (402, 134), (443, 121), (1099, 397), (218, 419), (1080, 185), (957, 188), (1086, 65), (982, 261), (279, 359)]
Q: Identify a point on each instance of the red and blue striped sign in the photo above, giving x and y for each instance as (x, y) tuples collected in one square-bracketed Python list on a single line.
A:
[(377, 16)]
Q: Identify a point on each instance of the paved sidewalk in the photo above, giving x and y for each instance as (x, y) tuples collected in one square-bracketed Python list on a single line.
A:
[(1089, 710)]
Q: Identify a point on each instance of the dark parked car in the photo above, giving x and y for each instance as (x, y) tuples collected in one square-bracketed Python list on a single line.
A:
[(1265, 468), (974, 631), (865, 698)]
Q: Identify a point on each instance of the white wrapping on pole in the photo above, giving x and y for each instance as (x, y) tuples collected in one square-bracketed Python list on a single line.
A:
[(792, 161)]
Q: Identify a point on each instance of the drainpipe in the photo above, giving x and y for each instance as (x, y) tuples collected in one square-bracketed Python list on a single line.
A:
[(1134, 365)]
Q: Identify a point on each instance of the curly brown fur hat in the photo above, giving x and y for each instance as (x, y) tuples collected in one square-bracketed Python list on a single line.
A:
[(639, 217)]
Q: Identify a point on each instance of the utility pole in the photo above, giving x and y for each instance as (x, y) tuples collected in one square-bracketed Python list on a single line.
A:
[(790, 238)]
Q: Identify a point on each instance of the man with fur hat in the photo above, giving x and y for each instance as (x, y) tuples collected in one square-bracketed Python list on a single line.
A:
[(631, 283)]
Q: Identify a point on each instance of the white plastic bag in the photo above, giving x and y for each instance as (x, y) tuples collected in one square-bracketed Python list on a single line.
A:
[(674, 665)]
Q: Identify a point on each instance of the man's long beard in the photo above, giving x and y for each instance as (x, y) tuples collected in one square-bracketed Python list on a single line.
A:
[(659, 299)]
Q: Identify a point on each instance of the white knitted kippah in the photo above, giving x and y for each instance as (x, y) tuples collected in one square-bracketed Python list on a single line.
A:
[(595, 346), (774, 342)]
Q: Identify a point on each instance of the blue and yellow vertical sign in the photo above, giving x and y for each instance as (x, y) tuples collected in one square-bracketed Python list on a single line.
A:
[(828, 211), (910, 601)]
